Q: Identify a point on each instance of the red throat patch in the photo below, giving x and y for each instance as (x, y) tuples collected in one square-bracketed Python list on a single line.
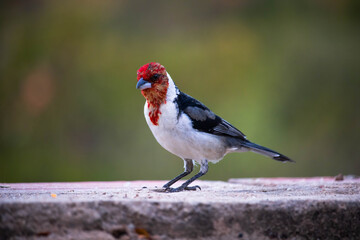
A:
[(156, 74), (154, 114)]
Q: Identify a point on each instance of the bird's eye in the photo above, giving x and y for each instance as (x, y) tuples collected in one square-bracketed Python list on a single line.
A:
[(155, 76)]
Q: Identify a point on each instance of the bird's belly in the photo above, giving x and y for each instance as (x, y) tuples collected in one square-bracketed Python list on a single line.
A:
[(178, 137), (194, 146)]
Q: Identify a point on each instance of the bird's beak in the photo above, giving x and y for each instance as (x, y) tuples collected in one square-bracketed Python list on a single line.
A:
[(142, 84)]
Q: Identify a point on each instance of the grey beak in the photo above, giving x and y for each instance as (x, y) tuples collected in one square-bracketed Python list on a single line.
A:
[(142, 84)]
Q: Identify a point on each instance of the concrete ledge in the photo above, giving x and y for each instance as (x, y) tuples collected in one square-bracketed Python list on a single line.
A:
[(297, 208)]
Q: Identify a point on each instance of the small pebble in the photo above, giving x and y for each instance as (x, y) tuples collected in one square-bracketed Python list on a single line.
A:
[(339, 177)]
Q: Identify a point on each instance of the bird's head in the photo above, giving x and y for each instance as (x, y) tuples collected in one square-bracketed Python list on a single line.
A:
[(153, 82)]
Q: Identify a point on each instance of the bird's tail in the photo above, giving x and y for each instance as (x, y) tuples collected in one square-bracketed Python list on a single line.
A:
[(266, 151)]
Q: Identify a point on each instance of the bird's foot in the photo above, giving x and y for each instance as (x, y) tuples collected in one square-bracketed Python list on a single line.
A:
[(193, 188), (166, 186), (179, 189)]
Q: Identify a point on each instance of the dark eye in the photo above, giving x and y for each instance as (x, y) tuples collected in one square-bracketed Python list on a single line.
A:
[(155, 76)]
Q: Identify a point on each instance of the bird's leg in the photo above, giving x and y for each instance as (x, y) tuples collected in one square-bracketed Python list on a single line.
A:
[(203, 170), (188, 164)]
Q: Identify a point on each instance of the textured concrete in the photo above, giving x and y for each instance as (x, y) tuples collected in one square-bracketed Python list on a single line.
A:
[(282, 208)]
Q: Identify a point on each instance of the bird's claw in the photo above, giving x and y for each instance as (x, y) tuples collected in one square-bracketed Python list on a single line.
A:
[(193, 188), (166, 187), (179, 189)]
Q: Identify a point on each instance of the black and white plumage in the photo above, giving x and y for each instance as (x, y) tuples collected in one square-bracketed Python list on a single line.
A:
[(187, 128)]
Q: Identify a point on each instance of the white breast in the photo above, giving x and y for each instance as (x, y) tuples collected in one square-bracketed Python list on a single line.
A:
[(178, 137)]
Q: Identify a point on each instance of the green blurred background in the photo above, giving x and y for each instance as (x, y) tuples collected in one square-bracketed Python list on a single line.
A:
[(286, 73)]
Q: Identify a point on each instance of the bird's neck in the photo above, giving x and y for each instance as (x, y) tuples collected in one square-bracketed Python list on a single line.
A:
[(160, 96), (172, 91)]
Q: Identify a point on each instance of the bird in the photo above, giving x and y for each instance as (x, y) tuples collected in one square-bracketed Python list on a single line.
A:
[(187, 128)]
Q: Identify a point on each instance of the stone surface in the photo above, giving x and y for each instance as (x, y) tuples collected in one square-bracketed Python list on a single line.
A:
[(276, 208)]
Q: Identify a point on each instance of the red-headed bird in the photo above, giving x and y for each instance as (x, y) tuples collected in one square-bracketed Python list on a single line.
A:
[(187, 128)]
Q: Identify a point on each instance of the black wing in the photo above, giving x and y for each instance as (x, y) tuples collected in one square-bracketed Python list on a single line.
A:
[(203, 119)]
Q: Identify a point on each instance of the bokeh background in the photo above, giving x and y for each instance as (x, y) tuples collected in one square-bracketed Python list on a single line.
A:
[(286, 73)]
